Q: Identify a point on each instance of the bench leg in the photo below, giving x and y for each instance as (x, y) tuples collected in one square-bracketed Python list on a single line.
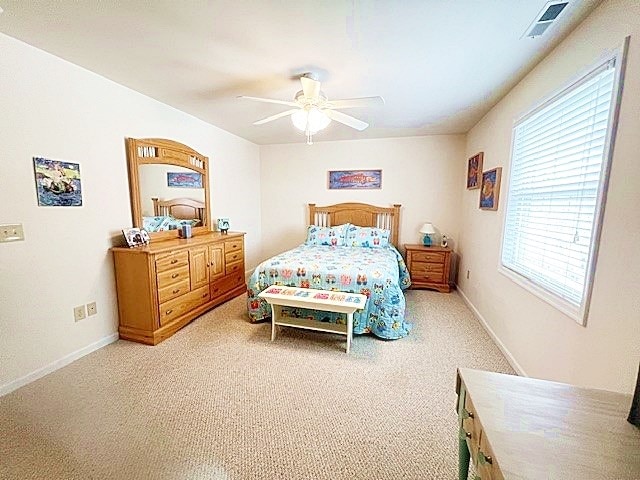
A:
[(273, 322), (349, 330)]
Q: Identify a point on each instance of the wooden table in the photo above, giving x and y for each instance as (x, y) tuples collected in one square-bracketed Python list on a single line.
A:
[(328, 301), (522, 428)]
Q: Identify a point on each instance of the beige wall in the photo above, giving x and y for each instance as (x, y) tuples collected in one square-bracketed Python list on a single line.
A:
[(541, 340), (421, 173), (54, 109)]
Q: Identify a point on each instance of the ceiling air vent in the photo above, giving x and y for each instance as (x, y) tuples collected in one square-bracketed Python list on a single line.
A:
[(545, 18)]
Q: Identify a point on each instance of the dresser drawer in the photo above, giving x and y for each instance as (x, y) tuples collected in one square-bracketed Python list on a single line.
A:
[(434, 257), (233, 246), (167, 261), (227, 283), (486, 465), (173, 276), (235, 268), (173, 291), (177, 307), (233, 257)]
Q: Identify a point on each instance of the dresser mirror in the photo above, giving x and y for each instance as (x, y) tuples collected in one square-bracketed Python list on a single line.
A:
[(169, 186)]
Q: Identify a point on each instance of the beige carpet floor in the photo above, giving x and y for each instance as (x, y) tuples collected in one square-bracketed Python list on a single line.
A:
[(219, 400)]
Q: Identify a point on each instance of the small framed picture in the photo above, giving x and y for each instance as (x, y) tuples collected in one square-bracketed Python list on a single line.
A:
[(474, 171), (136, 236), (223, 225), (490, 191)]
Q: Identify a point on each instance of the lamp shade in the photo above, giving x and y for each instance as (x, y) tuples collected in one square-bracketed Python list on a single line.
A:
[(427, 229), (316, 119)]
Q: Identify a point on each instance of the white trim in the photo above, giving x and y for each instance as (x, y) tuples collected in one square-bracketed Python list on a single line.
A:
[(572, 311), (505, 351), (55, 365)]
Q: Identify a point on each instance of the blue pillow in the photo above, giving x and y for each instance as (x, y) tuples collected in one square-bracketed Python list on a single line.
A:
[(367, 237), (333, 236)]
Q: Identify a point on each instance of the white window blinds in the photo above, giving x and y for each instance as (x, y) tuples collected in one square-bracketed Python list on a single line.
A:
[(557, 165)]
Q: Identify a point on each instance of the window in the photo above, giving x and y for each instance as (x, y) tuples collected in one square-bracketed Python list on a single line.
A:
[(559, 171)]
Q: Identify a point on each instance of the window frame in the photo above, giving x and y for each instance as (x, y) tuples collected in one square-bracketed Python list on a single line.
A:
[(578, 314)]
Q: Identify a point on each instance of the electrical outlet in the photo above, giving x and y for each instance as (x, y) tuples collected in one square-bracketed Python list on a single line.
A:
[(11, 232), (79, 313), (468, 273), (92, 309)]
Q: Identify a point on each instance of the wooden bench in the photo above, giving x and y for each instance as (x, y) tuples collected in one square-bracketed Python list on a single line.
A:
[(324, 300)]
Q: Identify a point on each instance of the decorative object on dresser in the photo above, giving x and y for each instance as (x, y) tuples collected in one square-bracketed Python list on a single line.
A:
[(427, 230), (524, 428), (223, 225), (429, 267), (163, 286)]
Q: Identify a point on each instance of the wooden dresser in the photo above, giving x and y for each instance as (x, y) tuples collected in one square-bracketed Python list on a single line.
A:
[(429, 267), (163, 286), (523, 428)]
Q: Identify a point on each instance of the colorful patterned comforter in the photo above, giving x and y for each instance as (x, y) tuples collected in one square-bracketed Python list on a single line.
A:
[(378, 273)]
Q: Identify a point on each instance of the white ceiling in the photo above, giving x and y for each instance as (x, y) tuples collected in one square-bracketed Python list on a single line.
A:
[(440, 65)]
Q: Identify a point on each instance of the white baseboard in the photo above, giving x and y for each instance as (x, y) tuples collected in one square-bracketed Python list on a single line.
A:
[(53, 366), (505, 351)]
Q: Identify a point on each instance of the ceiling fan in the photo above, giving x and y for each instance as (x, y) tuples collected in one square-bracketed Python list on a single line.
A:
[(313, 111)]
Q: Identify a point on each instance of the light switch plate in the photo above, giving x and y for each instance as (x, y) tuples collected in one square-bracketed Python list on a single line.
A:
[(11, 232)]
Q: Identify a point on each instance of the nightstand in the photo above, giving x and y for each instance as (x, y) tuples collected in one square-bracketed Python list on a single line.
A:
[(429, 267)]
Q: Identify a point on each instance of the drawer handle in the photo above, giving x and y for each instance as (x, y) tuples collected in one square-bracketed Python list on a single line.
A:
[(175, 275), (482, 458), (169, 312), (235, 256), (216, 290), (176, 290), (174, 261), (204, 295)]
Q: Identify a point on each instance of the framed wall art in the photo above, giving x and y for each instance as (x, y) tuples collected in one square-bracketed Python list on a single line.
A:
[(474, 171), (355, 179), (184, 180), (490, 191), (57, 183)]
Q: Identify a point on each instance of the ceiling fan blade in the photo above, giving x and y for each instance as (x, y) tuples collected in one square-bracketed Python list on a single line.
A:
[(356, 102), (270, 100), (276, 116), (310, 87), (346, 119)]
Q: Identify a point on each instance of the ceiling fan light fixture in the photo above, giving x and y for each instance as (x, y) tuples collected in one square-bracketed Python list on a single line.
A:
[(316, 119)]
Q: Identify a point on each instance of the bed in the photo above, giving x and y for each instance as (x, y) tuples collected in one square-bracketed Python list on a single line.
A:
[(350, 247), (172, 214)]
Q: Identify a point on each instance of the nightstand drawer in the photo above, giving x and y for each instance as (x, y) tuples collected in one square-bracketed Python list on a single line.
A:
[(435, 257), (421, 268)]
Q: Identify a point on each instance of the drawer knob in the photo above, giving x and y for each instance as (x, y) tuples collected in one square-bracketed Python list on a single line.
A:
[(174, 261), (169, 312), (204, 295), (176, 290), (482, 458), (175, 275), (467, 414)]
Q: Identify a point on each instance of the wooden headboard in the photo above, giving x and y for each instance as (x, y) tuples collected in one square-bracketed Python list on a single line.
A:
[(360, 214), (182, 208)]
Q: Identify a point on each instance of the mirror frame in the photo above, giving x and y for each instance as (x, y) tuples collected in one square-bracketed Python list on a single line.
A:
[(146, 151)]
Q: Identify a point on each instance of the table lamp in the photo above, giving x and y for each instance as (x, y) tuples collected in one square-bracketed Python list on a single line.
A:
[(427, 230)]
